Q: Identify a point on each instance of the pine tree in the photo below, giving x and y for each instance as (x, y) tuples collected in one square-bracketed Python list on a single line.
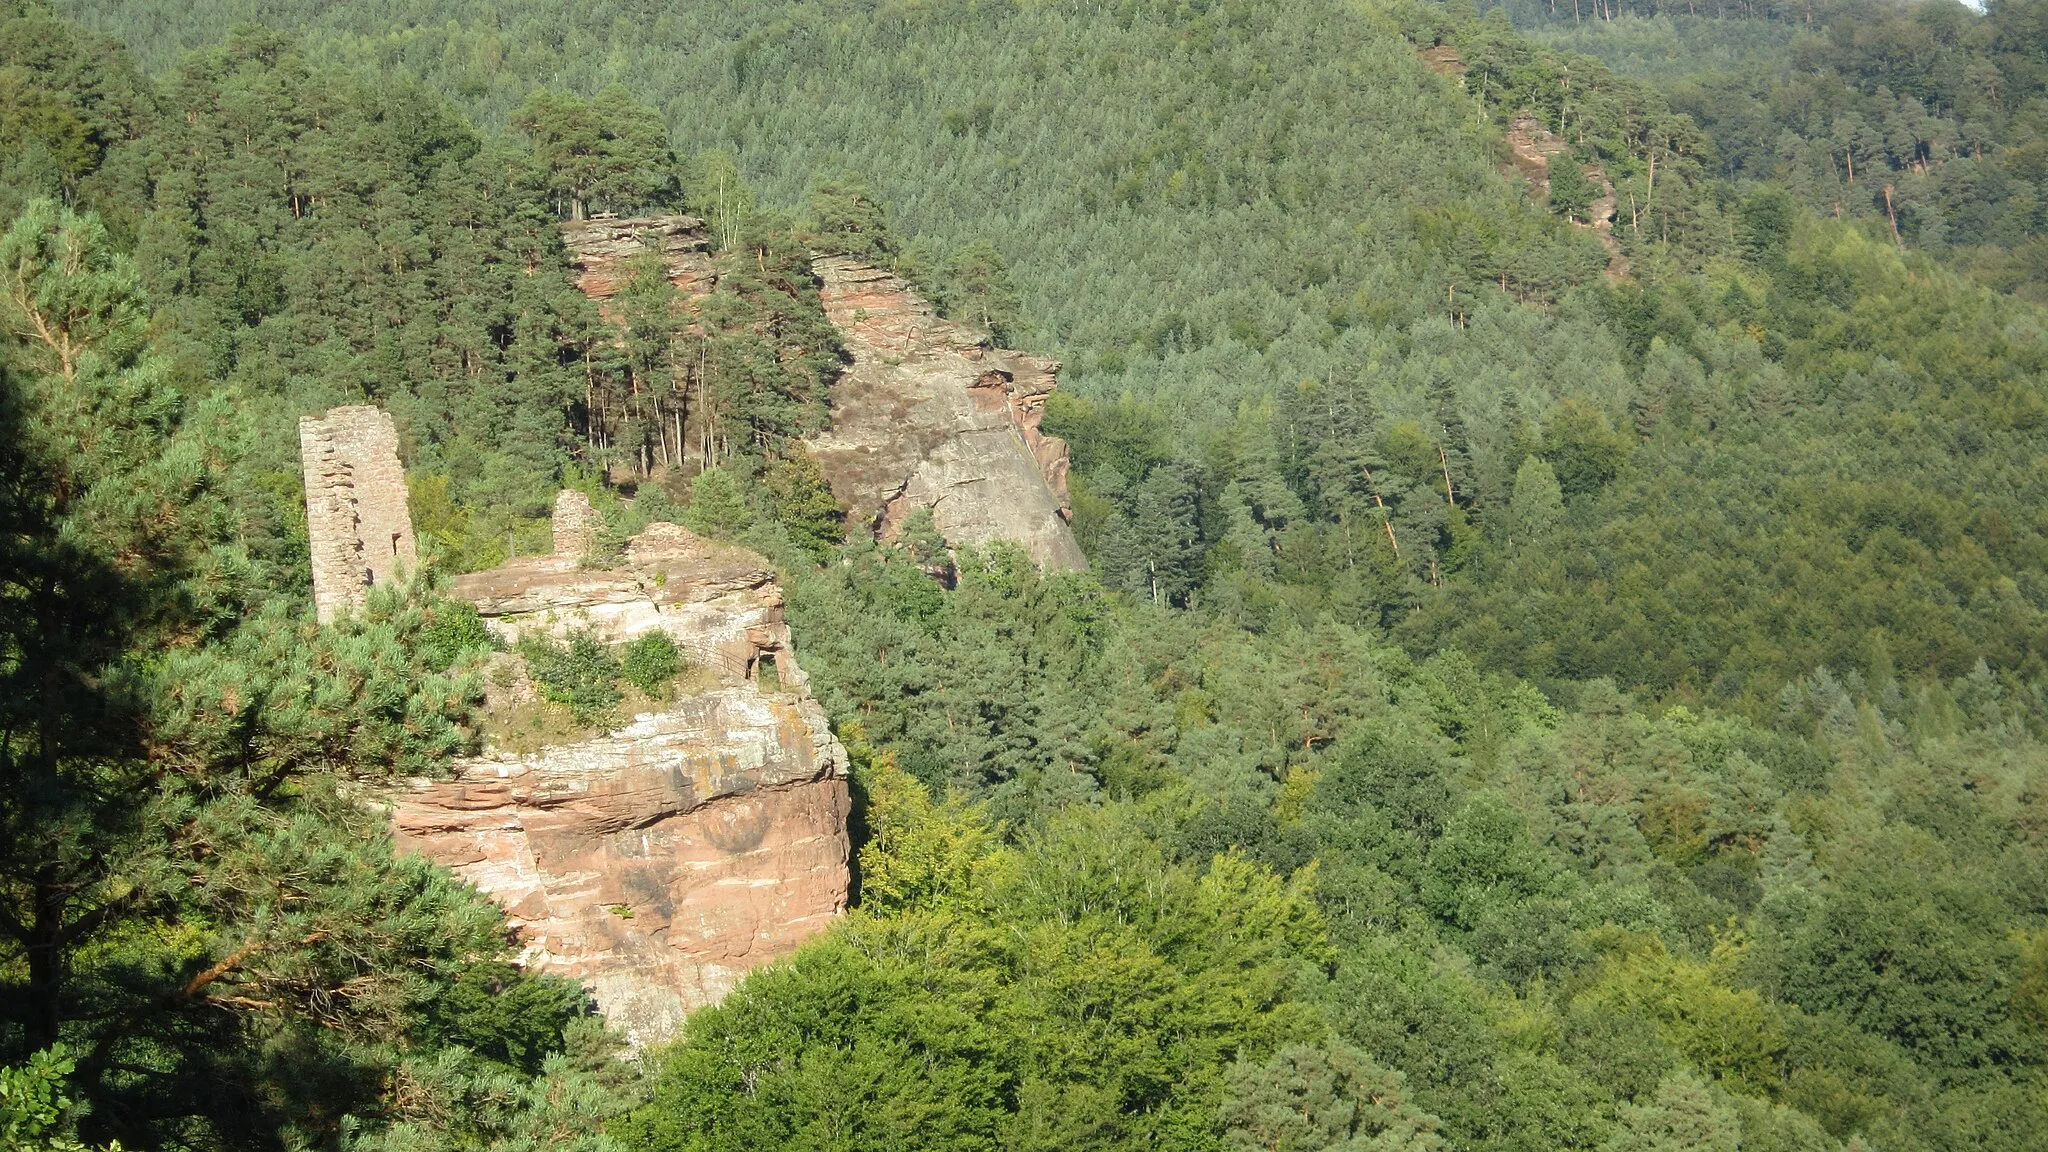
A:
[(803, 502), (1571, 191), (718, 506), (610, 153), (1537, 505), (977, 289), (107, 511)]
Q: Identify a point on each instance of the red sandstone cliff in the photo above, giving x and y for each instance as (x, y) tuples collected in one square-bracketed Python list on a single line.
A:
[(599, 248), (660, 862), (930, 415)]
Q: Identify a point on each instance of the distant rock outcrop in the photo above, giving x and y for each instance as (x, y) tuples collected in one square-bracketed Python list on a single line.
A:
[(931, 415), (660, 862), (600, 248), (1531, 146)]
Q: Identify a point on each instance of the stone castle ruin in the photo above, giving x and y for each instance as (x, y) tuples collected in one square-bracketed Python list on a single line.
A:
[(662, 860), (358, 523)]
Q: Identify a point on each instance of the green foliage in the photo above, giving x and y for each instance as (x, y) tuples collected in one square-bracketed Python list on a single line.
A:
[(458, 1100), (651, 662), (842, 217), (1636, 678), (715, 190), (920, 855), (1312, 1099), (1571, 192), (1537, 505), (803, 502), (33, 1103), (389, 690), (718, 507), (67, 97), (768, 354), (1086, 992), (500, 1013), (1683, 1115), (975, 286), (608, 154), (580, 672)]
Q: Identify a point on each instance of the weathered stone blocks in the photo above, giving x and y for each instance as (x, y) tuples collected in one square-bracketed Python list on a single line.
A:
[(662, 861), (358, 522)]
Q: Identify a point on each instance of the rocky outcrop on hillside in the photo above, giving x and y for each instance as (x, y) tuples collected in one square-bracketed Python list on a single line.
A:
[(932, 415), (599, 249), (1531, 145), (661, 861)]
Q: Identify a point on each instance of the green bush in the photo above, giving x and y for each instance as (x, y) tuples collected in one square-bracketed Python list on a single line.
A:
[(454, 630), (651, 662), (581, 674), (499, 1012)]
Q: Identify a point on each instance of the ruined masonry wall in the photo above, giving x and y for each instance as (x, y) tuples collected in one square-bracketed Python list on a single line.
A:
[(358, 522), (575, 525)]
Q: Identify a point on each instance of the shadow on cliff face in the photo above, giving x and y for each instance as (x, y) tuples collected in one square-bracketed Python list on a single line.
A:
[(740, 825)]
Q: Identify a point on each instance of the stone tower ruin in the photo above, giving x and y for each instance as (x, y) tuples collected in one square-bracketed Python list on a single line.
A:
[(358, 524)]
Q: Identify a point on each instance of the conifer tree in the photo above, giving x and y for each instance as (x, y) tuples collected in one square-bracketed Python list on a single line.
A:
[(610, 153)]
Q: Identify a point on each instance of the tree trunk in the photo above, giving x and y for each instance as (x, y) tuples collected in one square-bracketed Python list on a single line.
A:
[(44, 946)]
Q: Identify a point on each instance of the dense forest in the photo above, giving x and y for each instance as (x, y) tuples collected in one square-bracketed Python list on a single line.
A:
[(1563, 663)]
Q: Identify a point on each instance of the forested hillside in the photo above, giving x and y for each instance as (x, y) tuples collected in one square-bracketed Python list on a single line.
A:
[(1561, 666), (1929, 115)]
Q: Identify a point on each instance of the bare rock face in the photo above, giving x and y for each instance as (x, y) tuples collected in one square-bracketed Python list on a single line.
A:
[(931, 416), (1532, 145), (660, 862), (358, 522), (600, 248)]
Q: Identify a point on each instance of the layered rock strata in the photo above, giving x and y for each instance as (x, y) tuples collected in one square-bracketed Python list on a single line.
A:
[(662, 861), (600, 249), (931, 415), (358, 522)]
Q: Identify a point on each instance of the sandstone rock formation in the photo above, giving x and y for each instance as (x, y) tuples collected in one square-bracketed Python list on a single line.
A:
[(600, 248), (357, 519), (930, 415), (662, 861)]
